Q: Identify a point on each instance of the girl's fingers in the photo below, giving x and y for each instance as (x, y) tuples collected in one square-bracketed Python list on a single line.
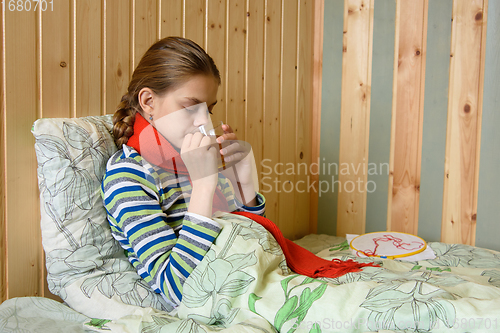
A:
[(186, 143), (197, 139), (226, 137), (235, 157), (231, 148), (235, 151), (192, 141), (205, 141), (228, 134)]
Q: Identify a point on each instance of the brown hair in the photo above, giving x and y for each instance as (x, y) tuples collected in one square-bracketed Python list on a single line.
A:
[(167, 64)]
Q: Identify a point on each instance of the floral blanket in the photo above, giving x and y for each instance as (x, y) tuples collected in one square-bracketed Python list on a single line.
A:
[(244, 285)]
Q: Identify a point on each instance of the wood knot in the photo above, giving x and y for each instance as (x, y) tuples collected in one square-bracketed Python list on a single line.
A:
[(479, 16), (417, 187), (417, 52), (268, 19), (212, 25), (473, 217), (301, 155), (119, 72), (248, 13), (244, 31), (467, 108), (63, 64)]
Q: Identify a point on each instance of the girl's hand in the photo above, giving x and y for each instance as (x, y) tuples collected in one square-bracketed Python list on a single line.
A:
[(236, 153), (199, 154)]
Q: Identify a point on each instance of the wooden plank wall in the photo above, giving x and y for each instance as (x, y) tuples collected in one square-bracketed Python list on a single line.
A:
[(458, 38), (75, 59), (355, 113), (463, 134), (407, 115), (422, 125), (3, 226)]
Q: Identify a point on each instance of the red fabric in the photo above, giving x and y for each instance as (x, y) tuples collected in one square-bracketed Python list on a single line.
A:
[(304, 262), (157, 150)]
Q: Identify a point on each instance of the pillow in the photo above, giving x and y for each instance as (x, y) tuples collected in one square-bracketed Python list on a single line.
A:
[(86, 266)]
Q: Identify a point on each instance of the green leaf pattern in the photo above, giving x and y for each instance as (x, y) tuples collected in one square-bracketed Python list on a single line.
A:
[(393, 307), (233, 289)]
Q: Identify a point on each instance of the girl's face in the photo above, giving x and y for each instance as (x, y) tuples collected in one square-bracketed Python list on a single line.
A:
[(182, 110)]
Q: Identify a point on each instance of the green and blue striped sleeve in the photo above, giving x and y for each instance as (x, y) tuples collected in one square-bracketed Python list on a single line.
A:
[(234, 204), (162, 256)]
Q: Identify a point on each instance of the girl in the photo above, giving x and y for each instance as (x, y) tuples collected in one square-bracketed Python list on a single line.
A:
[(159, 205)]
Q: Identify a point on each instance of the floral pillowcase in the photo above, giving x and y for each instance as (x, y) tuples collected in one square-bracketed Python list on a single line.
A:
[(86, 267)]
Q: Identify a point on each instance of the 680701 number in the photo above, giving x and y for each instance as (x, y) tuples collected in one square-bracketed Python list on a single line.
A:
[(27, 5)]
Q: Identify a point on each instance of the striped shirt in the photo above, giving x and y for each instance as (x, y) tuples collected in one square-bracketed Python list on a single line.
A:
[(147, 212)]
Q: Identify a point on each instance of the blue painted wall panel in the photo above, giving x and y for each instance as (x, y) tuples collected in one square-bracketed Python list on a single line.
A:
[(330, 113), (380, 115), (437, 73), (488, 204)]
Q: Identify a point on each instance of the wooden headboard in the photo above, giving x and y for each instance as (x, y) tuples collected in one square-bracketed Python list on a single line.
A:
[(335, 81)]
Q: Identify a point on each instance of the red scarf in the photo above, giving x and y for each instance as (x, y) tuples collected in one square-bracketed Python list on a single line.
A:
[(157, 150), (302, 261)]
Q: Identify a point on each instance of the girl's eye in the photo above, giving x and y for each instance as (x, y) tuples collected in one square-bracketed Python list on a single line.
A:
[(195, 109)]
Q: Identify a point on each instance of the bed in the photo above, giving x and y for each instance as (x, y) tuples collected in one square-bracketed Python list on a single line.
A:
[(243, 284)]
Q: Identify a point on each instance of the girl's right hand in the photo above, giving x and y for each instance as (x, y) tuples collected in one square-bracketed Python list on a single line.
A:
[(199, 154)]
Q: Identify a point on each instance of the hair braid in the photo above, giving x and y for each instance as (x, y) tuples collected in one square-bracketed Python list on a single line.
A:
[(123, 121)]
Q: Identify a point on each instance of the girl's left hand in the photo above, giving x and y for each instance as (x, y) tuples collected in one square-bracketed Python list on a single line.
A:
[(236, 153)]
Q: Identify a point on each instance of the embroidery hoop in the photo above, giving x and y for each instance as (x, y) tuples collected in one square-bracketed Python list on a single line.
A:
[(361, 241)]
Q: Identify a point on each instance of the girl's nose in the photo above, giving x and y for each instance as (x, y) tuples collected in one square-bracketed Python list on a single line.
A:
[(202, 116)]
